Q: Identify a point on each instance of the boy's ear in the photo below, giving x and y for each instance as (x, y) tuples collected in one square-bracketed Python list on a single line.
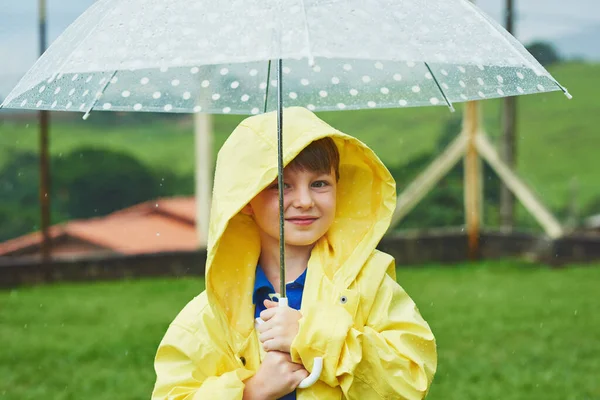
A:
[(247, 210)]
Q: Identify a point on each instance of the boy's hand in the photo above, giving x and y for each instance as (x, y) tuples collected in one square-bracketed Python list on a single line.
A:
[(276, 377), (280, 327)]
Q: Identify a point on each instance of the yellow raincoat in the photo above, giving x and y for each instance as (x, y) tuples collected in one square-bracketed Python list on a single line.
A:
[(373, 341)]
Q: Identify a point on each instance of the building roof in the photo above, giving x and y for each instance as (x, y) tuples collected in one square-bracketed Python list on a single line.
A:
[(155, 226)]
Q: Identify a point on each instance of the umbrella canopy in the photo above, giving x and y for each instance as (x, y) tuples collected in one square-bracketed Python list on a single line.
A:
[(212, 56)]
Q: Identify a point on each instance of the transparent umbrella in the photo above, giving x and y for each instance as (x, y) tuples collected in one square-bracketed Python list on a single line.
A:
[(228, 56)]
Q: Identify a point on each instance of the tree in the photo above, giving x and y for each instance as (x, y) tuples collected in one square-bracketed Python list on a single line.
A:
[(544, 52)]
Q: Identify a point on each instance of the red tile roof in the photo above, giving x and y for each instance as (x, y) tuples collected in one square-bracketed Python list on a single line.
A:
[(154, 226)]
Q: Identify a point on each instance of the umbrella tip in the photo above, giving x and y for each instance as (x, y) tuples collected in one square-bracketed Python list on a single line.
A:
[(311, 61), (86, 116), (566, 92)]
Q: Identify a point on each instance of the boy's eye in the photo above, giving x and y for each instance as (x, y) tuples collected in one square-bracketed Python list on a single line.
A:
[(275, 186), (320, 184)]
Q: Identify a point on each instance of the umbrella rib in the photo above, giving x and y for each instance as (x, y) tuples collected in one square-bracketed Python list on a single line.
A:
[(448, 102), (564, 89), (99, 95), (311, 59), (268, 82)]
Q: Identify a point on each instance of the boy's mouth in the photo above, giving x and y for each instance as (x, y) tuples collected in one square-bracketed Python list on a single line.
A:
[(302, 220)]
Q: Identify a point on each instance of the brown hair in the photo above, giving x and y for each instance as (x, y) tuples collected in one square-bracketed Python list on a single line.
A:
[(320, 156)]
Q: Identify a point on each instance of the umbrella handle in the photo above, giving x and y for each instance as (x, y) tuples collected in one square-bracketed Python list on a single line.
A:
[(317, 362)]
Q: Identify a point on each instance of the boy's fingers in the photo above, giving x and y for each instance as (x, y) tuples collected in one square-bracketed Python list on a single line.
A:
[(268, 314), (270, 304)]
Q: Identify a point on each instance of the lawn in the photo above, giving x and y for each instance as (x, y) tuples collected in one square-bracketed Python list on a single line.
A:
[(505, 330)]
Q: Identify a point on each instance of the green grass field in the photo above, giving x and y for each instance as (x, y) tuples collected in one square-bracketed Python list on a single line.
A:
[(505, 330), (558, 139)]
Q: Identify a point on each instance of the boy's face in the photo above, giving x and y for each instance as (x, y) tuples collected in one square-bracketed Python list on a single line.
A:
[(309, 206)]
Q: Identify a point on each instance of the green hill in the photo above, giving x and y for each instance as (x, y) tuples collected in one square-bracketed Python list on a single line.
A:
[(558, 139)]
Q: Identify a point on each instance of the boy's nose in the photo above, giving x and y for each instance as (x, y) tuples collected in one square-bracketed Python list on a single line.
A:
[(303, 199)]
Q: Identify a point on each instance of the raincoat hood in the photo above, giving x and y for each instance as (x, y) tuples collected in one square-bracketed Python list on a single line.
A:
[(246, 164)]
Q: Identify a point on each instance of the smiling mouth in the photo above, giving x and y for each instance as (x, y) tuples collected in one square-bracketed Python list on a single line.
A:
[(302, 220)]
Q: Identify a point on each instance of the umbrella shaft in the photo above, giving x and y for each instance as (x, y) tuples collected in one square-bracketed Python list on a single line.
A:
[(280, 177)]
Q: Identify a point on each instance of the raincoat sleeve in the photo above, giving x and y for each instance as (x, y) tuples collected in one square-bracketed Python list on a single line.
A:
[(393, 356), (192, 362)]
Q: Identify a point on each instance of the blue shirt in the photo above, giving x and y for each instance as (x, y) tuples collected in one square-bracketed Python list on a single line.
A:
[(262, 289)]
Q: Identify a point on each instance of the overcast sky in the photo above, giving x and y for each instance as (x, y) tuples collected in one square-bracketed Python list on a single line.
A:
[(536, 19)]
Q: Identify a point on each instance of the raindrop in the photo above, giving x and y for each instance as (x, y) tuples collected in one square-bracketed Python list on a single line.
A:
[(57, 90), (114, 80), (205, 84), (175, 82), (224, 71), (254, 110), (371, 104), (39, 103), (323, 93), (235, 84), (107, 106), (416, 89), (157, 234), (286, 70), (263, 85), (195, 70), (245, 98), (227, 110), (480, 81), (156, 95), (42, 89), (144, 81), (311, 107), (23, 103), (168, 107), (428, 75), (462, 69), (500, 92), (403, 102), (520, 75), (520, 89), (378, 65), (186, 95), (540, 88), (216, 96), (410, 64), (74, 78), (71, 92), (316, 68), (253, 72), (353, 92), (137, 107), (304, 82), (434, 100), (444, 72), (397, 77), (341, 106), (462, 84), (481, 94), (366, 79), (69, 105), (500, 79), (197, 109), (347, 67), (335, 80), (54, 104), (384, 90), (293, 95)]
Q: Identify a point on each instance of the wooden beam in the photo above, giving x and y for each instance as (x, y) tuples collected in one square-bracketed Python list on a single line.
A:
[(204, 176), (532, 204), (473, 179), (417, 189)]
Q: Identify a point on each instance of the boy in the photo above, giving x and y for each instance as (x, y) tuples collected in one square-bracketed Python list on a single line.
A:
[(339, 200)]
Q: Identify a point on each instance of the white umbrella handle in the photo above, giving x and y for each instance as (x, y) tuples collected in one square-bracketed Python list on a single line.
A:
[(317, 362)]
